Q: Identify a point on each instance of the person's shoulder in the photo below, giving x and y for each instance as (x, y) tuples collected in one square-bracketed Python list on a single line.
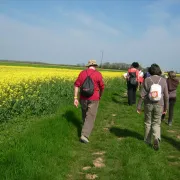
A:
[(163, 79), (132, 70), (82, 72), (148, 78), (98, 72)]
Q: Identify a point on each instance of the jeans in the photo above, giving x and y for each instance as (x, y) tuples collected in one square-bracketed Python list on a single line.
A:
[(152, 121)]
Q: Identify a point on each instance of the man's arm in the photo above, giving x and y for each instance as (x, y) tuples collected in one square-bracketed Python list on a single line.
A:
[(143, 93), (101, 86), (77, 84), (76, 102), (100, 93), (76, 91), (166, 99)]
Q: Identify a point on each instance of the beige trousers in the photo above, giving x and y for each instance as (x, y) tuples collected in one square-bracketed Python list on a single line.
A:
[(153, 113), (89, 111)]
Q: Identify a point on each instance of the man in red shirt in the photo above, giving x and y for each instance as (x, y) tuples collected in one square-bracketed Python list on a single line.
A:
[(89, 105)]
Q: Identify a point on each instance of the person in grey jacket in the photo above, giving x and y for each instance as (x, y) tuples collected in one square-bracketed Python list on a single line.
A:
[(153, 110)]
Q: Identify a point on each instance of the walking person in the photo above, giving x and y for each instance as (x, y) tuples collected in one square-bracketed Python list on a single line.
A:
[(154, 94), (89, 100), (172, 84), (132, 82)]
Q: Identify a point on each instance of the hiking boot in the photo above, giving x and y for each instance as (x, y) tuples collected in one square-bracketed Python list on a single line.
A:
[(84, 139), (156, 144)]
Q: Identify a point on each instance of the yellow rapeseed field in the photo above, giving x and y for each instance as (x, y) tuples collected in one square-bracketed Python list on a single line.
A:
[(36, 90), (13, 77), (20, 86), (16, 74)]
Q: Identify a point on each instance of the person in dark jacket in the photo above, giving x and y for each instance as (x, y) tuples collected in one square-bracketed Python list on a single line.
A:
[(172, 84), (132, 82)]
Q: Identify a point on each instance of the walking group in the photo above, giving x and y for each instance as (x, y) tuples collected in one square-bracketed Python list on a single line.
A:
[(157, 93)]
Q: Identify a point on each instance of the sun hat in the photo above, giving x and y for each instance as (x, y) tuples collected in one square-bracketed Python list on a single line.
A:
[(91, 63)]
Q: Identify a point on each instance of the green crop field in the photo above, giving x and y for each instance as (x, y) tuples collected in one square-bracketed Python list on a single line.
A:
[(45, 145)]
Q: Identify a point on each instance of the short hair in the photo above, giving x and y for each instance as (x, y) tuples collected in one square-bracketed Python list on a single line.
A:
[(135, 65), (171, 74), (155, 70)]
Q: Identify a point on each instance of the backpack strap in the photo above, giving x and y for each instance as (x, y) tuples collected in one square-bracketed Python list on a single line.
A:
[(151, 80), (158, 81), (90, 74)]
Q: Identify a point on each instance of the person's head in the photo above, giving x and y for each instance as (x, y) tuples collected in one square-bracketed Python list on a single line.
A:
[(91, 63), (135, 65), (171, 74), (155, 70)]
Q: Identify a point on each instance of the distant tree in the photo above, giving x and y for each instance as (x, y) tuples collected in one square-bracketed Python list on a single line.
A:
[(80, 65), (122, 66)]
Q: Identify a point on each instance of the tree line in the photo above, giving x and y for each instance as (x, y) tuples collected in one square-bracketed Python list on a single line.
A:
[(108, 65)]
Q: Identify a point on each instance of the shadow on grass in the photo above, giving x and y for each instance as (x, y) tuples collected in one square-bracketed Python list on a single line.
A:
[(125, 133), (71, 117), (121, 92), (172, 141), (119, 102), (120, 95)]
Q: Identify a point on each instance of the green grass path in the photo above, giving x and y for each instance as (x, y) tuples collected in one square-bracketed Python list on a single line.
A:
[(48, 148)]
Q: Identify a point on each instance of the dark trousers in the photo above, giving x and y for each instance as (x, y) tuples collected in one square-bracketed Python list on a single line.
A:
[(172, 102), (131, 93)]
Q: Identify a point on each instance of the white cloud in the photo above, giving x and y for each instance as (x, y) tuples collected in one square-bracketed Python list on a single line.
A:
[(95, 25), (90, 22), (25, 42), (78, 43)]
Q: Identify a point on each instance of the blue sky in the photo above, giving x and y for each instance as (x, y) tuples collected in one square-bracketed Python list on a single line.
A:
[(74, 31)]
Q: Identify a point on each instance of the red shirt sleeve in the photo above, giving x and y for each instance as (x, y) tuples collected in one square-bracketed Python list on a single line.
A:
[(101, 82), (78, 81)]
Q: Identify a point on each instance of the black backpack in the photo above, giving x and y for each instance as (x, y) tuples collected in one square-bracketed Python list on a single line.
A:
[(87, 88), (132, 78)]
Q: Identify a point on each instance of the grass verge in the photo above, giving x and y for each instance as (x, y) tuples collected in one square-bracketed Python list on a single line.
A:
[(49, 148)]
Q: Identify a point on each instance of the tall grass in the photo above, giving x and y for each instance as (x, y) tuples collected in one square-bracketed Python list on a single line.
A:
[(48, 148)]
